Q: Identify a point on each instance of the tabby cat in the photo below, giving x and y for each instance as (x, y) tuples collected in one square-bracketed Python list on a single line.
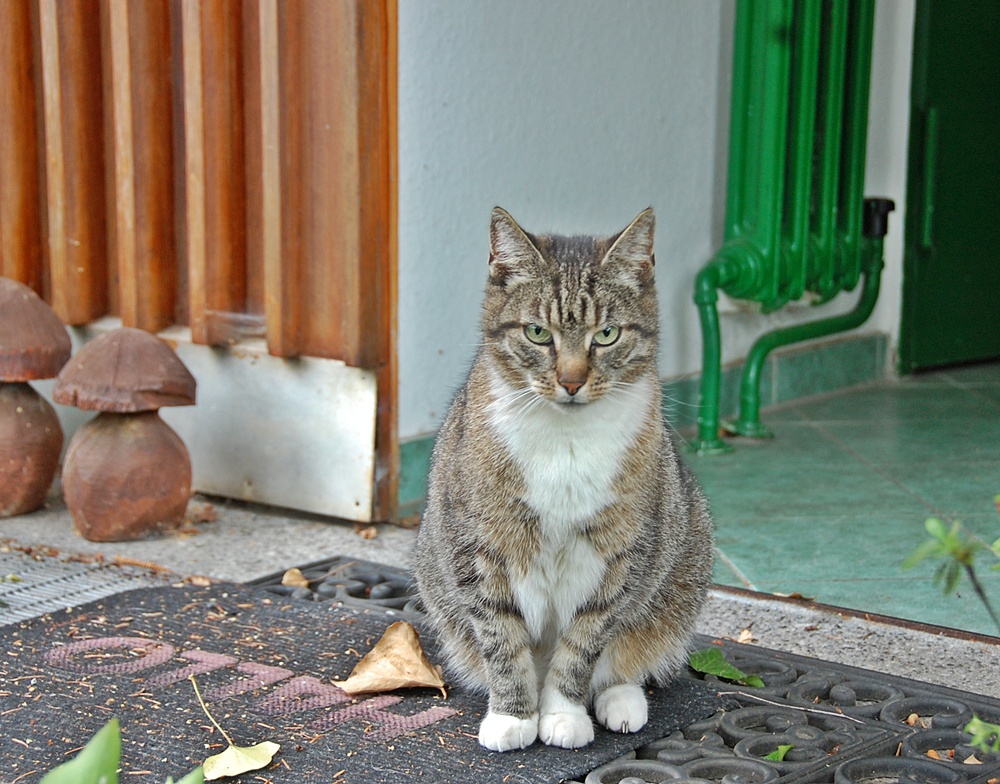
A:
[(565, 551)]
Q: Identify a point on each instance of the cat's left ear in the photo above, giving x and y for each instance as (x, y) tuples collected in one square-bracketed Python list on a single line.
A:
[(631, 254), (513, 255)]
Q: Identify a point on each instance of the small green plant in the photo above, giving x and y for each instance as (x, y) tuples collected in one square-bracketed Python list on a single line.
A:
[(712, 661), (778, 755), (97, 762), (985, 736), (957, 550)]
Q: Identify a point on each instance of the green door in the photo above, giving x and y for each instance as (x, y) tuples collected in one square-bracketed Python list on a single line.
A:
[(951, 267)]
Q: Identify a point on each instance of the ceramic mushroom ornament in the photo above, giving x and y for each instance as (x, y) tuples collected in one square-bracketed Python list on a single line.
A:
[(126, 473), (33, 344)]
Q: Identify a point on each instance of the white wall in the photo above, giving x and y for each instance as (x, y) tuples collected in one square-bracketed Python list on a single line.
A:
[(573, 115), (888, 133)]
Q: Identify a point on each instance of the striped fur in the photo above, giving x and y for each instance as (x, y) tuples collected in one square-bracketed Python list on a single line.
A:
[(565, 551)]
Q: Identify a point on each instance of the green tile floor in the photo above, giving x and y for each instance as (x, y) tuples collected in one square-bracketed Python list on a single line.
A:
[(833, 504)]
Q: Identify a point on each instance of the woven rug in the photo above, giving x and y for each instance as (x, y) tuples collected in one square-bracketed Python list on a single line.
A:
[(265, 665)]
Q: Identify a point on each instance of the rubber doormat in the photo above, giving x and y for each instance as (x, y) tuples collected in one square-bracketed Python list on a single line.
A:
[(265, 665)]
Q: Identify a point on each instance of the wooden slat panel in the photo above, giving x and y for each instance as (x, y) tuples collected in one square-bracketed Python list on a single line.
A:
[(337, 194), (20, 199), (377, 88), (194, 167), (254, 154), (74, 221), (149, 304), (219, 311), (319, 171), (280, 250), (121, 157)]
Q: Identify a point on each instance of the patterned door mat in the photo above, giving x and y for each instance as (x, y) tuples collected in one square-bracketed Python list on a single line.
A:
[(837, 724), (265, 664)]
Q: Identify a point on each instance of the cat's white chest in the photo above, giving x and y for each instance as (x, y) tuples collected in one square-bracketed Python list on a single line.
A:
[(570, 458), (569, 461), (563, 577)]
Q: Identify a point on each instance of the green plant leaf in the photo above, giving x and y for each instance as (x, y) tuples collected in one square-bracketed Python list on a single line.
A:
[(712, 661), (96, 763), (240, 759), (929, 548), (779, 753), (985, 736), (936, 529)]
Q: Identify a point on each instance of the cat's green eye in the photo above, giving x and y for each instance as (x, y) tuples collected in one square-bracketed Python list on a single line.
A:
[(607, 336), (538, 335)]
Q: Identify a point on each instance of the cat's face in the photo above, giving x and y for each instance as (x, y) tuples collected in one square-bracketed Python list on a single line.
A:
[(571, 318)]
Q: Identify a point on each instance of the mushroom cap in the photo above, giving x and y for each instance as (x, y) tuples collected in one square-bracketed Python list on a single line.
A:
[(33, 341), (125, 371)]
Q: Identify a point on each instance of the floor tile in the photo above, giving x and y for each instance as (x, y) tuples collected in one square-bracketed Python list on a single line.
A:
[(958, 490), (891, 441), (987, 373), (898, 402), (833, 505)]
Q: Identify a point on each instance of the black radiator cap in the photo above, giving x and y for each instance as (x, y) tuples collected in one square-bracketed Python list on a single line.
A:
[(876, 216)]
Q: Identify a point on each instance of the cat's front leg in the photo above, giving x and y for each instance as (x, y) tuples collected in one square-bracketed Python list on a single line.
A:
[(512, 719), (563, 718)]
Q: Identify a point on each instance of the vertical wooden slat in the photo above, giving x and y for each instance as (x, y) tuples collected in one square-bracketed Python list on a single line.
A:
[(253, 155), (379, 145), (194, 167), (215, 170), (55, 174), (152, 113), (20, 199), (74, 220), (279, 249), (122, 152), (229, 318)]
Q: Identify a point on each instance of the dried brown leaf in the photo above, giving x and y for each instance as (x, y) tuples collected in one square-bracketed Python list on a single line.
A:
[(366, 531), (396, 662), (746, 637), (295, 579)]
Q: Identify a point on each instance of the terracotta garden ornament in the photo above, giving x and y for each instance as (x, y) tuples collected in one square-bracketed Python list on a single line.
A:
[(126, 474), (34, 344)]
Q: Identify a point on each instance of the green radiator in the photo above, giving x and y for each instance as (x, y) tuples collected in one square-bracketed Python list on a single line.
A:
[(797, 222)]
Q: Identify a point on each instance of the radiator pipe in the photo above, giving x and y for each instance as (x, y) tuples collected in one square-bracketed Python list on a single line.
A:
[(748, 424), (722, 272), (734, 269)]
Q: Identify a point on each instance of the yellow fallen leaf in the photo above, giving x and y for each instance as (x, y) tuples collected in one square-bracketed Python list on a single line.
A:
[(295, 578), (239, 759), (972, 760), (235, 760), (933, 754), (396, 662)]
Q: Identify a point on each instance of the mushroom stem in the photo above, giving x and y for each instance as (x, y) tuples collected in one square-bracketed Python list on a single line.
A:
[(126, 476), (30, 442)]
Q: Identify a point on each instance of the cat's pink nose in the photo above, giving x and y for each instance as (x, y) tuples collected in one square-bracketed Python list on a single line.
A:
[(571, 386)]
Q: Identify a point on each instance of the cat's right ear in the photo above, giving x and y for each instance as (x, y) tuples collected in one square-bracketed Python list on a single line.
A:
[(513, 255)]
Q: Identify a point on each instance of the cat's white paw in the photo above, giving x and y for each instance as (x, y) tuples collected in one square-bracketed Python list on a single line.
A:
[(501, 732), (569, 728), (622, 708)]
